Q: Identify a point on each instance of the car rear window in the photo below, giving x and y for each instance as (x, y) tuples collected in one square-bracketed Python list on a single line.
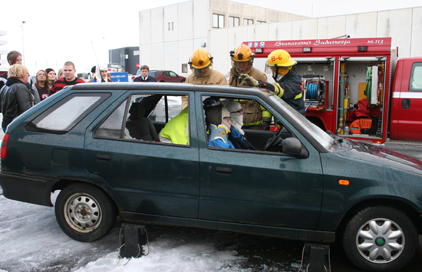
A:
[(63, 116)]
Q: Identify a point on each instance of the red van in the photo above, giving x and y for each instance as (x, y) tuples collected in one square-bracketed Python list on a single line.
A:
[(406, 103)]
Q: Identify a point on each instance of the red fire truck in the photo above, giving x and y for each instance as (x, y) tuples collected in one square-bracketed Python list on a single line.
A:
[(355, 87)]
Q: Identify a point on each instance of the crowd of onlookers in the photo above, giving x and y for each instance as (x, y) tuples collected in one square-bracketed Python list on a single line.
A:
[(19, 91)]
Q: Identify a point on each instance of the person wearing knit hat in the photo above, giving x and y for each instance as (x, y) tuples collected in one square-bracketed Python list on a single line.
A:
[(219, 127), (51, 76), (225, 123), (102, 75)]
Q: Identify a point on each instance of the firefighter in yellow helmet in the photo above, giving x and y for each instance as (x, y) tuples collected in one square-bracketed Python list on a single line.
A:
[(254, 115), (242, 60), (202, 73), (288, 85)]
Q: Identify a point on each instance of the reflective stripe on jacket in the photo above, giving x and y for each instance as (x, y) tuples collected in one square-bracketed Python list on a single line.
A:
[(289, 88)]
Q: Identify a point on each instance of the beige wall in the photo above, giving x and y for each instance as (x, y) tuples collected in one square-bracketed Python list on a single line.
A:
[(164, 49), (403, 25)]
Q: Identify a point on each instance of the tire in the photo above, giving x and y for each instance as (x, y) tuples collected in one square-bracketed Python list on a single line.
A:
[(380, 239), (84, 212)]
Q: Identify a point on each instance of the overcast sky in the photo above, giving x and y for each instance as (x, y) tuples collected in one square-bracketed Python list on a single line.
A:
[(55, 32)]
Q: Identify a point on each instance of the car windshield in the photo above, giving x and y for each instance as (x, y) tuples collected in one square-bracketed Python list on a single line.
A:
[(322, 137)]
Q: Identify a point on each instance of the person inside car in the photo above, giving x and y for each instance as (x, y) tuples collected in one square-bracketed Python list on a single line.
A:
[(237, 135), (176, 131), (219, 127), (224, 120)]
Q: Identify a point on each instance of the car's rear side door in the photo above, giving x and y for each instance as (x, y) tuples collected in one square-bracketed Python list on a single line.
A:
[(148, 177)]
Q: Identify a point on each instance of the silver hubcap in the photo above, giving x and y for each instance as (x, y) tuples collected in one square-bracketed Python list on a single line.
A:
[(380, 240), (82, 212)]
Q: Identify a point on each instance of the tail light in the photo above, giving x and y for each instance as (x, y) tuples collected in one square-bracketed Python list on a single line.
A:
[(4, 146)]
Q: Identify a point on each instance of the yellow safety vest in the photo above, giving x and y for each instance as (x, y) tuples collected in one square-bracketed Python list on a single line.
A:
[(175, 129)]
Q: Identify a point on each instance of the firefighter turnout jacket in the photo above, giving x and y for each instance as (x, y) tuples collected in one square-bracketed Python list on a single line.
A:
[(253, 113), (288, 88)]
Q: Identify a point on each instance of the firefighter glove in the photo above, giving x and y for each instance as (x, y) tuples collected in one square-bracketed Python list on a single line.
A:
[(247, 80)]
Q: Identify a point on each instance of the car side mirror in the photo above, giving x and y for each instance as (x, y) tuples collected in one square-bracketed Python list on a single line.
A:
[(294, 147)]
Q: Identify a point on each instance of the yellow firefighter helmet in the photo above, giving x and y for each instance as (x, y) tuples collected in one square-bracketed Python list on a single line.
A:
[(242, 53), (200, 59), (280, 58)]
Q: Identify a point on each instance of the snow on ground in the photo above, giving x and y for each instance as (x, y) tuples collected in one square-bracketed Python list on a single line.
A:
[(31, 240)]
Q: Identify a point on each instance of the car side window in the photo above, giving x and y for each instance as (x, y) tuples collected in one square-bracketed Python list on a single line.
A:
[(416, 78), (64, 115), (148, 118), (113, 125), (242, 124), (165, 73), (173, 74)]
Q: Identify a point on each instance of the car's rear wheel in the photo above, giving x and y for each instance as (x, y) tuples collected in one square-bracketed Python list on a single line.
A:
[(84, 212), (380, 239)]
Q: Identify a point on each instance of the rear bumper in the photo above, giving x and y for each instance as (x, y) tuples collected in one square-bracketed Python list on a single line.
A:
[(25, 188)]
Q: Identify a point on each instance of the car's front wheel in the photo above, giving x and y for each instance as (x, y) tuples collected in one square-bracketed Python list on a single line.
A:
[(84, 212), (380, 239)]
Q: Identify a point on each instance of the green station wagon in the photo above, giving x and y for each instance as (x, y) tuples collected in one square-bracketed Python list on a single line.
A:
[(98, 144)]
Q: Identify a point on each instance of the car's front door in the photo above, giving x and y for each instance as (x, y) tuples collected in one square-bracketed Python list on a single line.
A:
[(260, 187), (148, 177)]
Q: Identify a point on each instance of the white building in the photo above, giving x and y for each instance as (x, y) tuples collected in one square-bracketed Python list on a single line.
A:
[(169, 35)]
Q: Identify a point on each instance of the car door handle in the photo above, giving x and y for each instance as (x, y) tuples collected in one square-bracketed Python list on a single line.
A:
[(224, 170), (103, 157), (405, 104)]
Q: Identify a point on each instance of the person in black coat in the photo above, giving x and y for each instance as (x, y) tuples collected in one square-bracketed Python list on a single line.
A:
[(15, 96), (145, 77)]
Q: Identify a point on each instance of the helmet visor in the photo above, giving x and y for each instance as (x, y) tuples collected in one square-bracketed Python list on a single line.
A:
[(242, 67), (268, 69)]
